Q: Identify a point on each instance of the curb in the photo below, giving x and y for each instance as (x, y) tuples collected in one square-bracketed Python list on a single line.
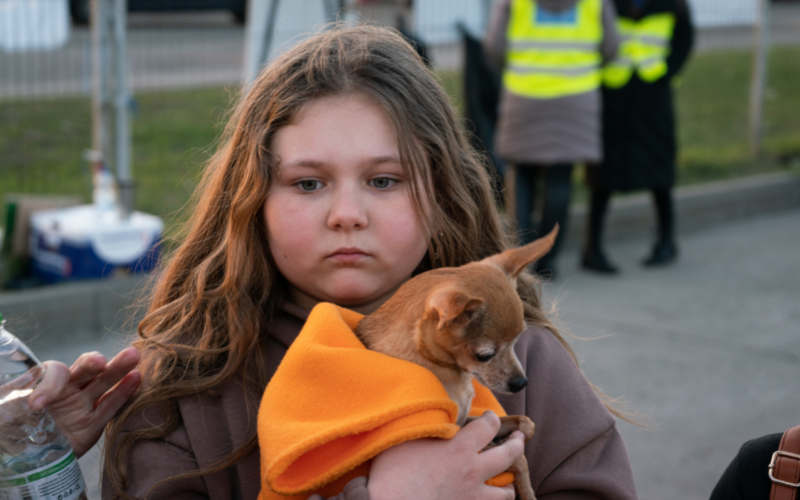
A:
[(90, 311), (73, 313), (696, 207)]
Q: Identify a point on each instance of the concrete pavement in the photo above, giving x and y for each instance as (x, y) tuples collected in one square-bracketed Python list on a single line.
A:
[(708, 349)]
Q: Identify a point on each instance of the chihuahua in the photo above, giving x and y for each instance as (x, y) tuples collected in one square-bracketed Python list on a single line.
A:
[(463, 323)]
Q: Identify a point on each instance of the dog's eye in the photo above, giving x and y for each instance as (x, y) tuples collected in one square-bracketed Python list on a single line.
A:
[(483, 358)]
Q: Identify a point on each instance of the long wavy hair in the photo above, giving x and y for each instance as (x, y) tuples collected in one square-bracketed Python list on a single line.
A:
[(214, 299)]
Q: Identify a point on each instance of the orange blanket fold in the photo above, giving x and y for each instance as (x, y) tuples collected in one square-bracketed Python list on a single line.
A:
[(333, 405)]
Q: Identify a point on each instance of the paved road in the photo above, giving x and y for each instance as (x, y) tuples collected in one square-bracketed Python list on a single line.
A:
[(202, 49), (707, 348)]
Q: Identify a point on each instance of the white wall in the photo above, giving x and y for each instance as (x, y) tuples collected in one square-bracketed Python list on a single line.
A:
[(435, 20), (718, 13), (33, 24), (295, 20)]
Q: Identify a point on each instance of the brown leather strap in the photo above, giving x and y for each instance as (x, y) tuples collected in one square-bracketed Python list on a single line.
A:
[(784, 471)]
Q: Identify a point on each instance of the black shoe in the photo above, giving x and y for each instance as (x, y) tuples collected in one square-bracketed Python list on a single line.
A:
[(596, 261), (664, 252)]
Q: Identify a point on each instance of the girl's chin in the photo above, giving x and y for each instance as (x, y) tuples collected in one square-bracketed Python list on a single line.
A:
[(358, 298), (351, 299)]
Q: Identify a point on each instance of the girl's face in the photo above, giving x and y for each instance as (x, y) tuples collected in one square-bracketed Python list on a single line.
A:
[(340, 220)]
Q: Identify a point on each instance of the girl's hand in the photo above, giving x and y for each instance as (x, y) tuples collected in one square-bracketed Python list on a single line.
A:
[(447, 469), (82, 399)]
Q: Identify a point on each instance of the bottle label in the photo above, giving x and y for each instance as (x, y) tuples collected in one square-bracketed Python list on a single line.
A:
[(61, 480)]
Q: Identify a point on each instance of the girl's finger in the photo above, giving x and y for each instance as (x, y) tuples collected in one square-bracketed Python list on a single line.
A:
[(125, 360), (56, 377), (500, 458), (115, 370), (479, 432), (113, 400), (498, 493), (85, 368), (508, 493)]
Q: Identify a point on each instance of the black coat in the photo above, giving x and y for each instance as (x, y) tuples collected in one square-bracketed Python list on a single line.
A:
[(639, 144), (746, 477), (481, 99)]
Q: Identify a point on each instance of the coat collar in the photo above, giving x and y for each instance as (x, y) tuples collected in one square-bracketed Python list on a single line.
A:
[(287, 323)]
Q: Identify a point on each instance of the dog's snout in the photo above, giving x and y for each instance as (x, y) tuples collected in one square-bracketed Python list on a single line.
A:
[(517, 384)]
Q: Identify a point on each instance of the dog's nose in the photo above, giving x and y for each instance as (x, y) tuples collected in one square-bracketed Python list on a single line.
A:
[(517, 384)]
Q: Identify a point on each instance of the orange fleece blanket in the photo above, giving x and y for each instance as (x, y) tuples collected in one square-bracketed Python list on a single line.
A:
[(333, 405)]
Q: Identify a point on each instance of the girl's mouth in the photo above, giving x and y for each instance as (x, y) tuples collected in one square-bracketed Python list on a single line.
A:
[(348, 255)]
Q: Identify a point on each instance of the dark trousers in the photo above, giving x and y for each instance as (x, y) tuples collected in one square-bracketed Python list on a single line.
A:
[(665, 214), (557, 190)]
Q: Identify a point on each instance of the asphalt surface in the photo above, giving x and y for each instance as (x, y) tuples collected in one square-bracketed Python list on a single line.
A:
[(707, 349)]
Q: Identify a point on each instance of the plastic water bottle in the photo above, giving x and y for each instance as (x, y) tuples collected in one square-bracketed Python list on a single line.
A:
[(104, 195), (36, 460)]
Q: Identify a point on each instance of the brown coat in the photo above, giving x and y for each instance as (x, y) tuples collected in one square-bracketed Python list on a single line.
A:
[(548, 131), (577, 451)]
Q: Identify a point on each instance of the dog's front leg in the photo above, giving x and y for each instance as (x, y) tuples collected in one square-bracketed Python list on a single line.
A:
[(509, 424), (522, 479)]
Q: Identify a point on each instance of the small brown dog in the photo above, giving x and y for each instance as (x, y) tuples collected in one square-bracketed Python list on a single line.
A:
[(464, 322)]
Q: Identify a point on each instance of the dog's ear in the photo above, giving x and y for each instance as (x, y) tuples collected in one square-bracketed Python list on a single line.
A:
[(451, 307), (513, 261)]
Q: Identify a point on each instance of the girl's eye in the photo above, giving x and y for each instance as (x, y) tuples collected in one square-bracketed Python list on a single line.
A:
[(383, 182), (483, 358), (309, 185)]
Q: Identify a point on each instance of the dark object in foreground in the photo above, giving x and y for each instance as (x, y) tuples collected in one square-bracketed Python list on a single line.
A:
[(765, 468)]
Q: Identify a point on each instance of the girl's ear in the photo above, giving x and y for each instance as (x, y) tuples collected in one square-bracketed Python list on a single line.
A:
[(513, 261), (451, 307)]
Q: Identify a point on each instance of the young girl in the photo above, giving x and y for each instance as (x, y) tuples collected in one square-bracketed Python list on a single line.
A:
[(343, 172)]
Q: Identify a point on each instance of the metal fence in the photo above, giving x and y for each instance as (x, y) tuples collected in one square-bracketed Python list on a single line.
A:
[(43, 55), (45, 58)]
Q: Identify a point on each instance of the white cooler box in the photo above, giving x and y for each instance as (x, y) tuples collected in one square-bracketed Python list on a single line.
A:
[(81, 243)]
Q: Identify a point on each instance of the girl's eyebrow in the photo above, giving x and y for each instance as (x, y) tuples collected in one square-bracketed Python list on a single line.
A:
[(379, 160), (309, 163), (303, 163)]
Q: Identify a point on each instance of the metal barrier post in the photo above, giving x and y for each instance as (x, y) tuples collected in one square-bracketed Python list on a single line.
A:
[(101, 119), (759, 76), (122, 100)]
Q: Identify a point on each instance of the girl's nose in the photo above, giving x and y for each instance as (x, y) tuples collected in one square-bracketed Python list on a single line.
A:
[(348, 211)]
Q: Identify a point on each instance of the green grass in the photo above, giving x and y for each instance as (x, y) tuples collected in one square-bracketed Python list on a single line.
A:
[(713, 114), (41, 142)]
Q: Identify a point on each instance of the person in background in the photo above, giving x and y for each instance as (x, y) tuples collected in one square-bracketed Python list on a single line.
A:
[(639, 121), (550, 53)]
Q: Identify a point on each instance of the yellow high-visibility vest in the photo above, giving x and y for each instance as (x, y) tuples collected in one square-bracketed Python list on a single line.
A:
[(553, 54), (644, 48)]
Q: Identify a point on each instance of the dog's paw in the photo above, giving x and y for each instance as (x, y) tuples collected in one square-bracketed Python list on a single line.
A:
[(527, 427), (511, 423)]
